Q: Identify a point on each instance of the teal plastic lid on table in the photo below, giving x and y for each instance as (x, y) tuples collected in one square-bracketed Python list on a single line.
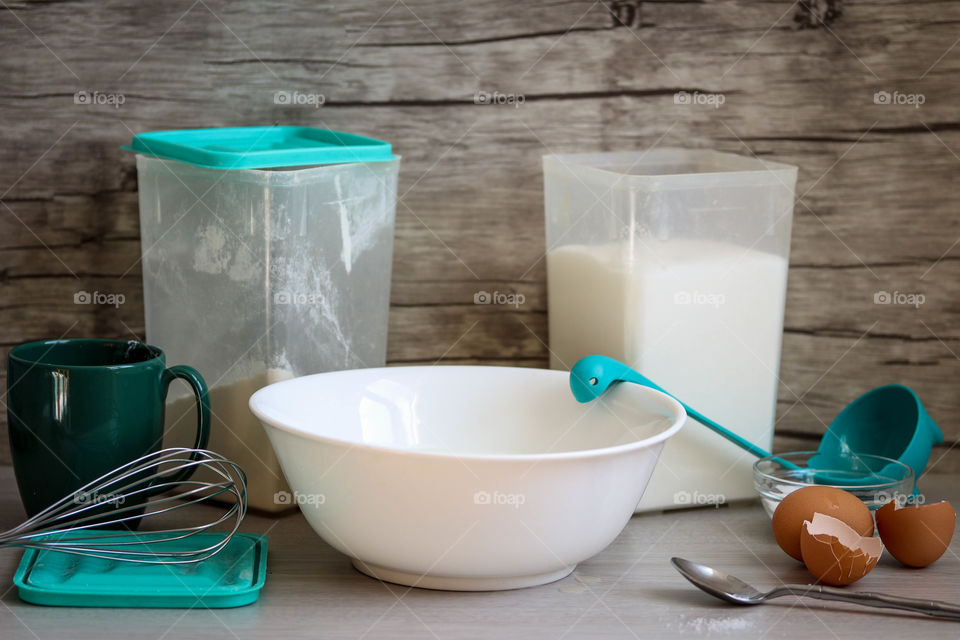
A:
[(231, 578)]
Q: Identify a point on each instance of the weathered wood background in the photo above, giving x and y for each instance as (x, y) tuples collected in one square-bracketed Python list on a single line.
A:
[(877, 208)]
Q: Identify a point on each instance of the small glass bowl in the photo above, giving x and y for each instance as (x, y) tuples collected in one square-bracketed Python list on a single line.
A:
[(874, 479)]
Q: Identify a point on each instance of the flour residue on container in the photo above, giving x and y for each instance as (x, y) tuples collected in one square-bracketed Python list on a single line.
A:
[(328, 314), (211, 254), (361, 217), (308, 292), (217, 253), (346, 251), (244, 266)]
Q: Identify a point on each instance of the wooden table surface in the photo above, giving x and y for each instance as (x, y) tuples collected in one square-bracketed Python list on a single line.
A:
[(629, 590)]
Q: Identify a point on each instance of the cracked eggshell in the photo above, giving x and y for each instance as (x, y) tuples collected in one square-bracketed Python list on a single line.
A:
[(916, 535), (835, 553), (800, 505)]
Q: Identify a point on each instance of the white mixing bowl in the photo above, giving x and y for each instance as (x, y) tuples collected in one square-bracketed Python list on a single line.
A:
[(464, 478)]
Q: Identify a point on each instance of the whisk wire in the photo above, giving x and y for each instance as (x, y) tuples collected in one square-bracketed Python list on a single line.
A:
[(74, 523)]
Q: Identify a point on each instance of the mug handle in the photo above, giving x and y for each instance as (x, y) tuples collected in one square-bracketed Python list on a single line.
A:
[(195, 380)]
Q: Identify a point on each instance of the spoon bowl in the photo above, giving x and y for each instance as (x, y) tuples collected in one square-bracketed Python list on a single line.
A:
[(717, 583)]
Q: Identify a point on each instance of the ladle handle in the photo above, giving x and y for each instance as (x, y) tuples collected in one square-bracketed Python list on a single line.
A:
[(629, 375)]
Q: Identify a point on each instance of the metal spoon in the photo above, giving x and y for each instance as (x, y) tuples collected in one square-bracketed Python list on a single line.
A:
[(727, 587)]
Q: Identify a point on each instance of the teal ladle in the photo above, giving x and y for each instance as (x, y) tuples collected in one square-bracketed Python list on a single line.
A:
[(889, 421), (593, 375)]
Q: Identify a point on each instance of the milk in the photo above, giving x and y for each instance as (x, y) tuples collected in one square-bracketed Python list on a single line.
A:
[(704, 321)]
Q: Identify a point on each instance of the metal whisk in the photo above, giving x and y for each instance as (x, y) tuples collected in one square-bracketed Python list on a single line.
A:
[(126, 490)]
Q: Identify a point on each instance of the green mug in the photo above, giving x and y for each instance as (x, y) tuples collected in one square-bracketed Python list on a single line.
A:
[(79, 408)]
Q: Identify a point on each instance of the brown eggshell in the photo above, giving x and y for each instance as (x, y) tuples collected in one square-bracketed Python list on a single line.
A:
[(916, 535), (835, 553), (800, 506)]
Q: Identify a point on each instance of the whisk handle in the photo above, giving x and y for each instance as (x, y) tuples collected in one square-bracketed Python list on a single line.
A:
[(192, 377)]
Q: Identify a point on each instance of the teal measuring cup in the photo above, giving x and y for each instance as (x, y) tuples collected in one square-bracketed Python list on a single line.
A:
[(889, 421)]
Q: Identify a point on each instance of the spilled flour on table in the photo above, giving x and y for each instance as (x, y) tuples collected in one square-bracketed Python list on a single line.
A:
[(580, 584), (711, 626)]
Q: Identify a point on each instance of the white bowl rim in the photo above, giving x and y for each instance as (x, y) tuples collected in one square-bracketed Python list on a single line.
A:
[(678, 419)]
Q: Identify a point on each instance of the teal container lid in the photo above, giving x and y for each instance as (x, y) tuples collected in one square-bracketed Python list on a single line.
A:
[(260, 147), (231, 578)]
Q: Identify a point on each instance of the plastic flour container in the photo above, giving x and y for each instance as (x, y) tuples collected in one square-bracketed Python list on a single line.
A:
[(266, 255)]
